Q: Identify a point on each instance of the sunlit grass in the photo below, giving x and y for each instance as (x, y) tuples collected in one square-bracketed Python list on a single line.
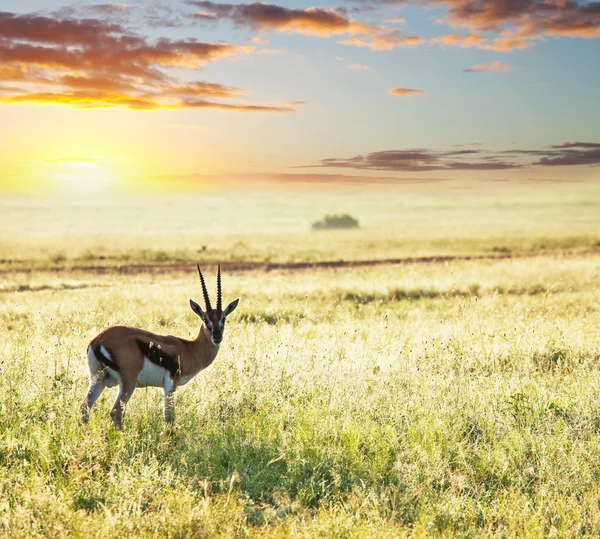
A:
[(272, 248), (438, 399)]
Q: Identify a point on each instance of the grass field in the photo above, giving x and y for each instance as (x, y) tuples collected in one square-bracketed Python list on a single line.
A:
[(396, 222), (424, 399)]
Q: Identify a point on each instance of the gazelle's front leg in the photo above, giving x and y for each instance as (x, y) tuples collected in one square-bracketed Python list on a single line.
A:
[(126, 389), (169, 387)]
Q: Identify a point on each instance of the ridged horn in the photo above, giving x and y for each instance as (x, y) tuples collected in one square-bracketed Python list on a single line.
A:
[(219, 294), (204, 291)]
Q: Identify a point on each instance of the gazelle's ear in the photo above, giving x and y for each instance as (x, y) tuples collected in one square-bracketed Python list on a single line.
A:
[(231, 307), (197, 309)]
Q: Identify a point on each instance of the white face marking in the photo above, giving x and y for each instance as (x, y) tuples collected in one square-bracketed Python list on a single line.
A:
[(152, 375), (105, 352)]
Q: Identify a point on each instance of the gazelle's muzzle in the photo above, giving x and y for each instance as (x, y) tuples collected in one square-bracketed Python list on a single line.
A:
[(217, 336)]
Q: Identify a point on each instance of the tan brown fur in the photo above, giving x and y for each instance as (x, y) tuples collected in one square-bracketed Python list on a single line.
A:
[(193, 356), (116, 356)]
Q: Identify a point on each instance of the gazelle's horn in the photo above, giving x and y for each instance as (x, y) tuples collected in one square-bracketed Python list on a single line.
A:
[(204, 291), (219, 294)]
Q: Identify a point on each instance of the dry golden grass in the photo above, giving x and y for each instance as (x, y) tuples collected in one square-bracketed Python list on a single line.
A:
[(439, 399)]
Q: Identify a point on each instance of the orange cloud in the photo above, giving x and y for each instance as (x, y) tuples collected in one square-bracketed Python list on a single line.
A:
[(495, 25), (478, 41), (358, 66), (402, 92), (517, 25), (311, 21), (84, 99), (530, 18), (97, 99), (89, 63), (495, 67), (384, 42), (203, 89)]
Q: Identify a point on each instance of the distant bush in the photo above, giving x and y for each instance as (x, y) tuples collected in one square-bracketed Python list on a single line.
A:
[(336, 221), (58, 257)]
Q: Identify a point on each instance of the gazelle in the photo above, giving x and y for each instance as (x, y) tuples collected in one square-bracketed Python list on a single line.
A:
[(132, 357)]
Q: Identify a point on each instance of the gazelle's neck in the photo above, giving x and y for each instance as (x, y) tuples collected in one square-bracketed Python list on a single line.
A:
[(205, 351)]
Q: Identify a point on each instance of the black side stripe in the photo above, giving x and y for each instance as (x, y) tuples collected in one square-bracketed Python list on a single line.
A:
[(105, 360), (159, 357)]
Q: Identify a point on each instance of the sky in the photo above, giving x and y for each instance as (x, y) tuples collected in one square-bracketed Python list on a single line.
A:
[(100, 97)]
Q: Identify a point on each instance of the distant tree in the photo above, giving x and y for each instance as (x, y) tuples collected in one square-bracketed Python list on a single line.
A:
[(336, 221)]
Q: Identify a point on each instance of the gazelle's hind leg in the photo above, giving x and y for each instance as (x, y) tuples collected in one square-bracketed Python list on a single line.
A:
[(98, 381), (95, 390)]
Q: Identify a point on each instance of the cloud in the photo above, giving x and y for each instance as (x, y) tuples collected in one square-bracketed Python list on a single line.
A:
[(110, 7), (494, 25), (402, 92), (39, 29), (527, 19), (358, 66), (293, 103), (98, 99), (311, 21), (153, 14), (259, 16), (427, 160), (479, 41), (516, 24), (203, 89), (495, 67), (94, 63), (417, 160), (236, 107), (572, 153), (384, 41)]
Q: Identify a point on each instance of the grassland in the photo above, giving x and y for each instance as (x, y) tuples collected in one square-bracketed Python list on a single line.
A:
[(245, 227), (456, 398), (426, 399)]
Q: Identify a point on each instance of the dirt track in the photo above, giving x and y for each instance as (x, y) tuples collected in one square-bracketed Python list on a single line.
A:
[(296, 266)]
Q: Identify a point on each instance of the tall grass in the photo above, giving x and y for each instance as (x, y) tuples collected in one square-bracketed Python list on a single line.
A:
[(456, 399)]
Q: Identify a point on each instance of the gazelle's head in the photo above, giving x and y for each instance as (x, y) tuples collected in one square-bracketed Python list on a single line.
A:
[(214, 319)]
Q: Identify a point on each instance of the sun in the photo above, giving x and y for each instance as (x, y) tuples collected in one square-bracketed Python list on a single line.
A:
[(82, 176)]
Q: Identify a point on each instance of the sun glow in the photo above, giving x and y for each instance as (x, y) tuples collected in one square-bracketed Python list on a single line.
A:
[(82, 176)]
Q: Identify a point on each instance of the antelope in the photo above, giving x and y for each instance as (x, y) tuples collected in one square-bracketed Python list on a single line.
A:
[(132, 357)]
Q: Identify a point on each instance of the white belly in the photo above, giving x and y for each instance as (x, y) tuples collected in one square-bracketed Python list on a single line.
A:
[(152, 375)]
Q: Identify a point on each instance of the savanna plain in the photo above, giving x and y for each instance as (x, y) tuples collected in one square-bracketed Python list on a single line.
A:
[(449, 387)]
